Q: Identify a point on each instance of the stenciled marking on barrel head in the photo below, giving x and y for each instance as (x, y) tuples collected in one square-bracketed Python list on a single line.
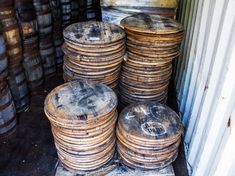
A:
[(153, 128)]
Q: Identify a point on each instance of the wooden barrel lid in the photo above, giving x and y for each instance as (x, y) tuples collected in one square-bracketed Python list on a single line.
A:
[(150, 121), (152, 24), (93, 33), (79, 101)]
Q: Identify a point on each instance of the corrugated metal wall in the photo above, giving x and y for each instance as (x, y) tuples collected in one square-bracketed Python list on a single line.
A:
[(205, 83)]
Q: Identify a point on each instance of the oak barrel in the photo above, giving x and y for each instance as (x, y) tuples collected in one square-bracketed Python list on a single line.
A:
[(148, 135), (34, 72), (19, 88), (57, 31), (66, 8), (45, 22), (7, 112), (17, 82), (30, 38), (83, 117), (3, 55)]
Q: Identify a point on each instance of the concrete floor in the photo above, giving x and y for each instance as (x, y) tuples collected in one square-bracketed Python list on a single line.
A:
[(31, 152)]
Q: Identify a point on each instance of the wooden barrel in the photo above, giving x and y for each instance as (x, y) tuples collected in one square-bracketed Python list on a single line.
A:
[(12, 37), (24, 10), (47, 53), (7, 112), (66, 8), (3, 55), (19, 88), (92, 54), (83, 117), (148, 135), (44, 17), (6, 4), (11, 32), (34, 72), (152, 43), (93, 10)]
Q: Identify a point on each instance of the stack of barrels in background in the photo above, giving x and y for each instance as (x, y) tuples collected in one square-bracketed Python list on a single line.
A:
[(57, 31), (93, 10), (74, 11), (114, 11), (83, 117), (148, 135), (17, 81), (152, 43), (47, 52), (66, 9), (93, 51), (7, 107), (30, 42)]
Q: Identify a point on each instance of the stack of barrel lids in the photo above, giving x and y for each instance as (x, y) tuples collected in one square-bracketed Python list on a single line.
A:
[(66, 9), (17, 81), (93, 10), (148, 135), (29, 33), (114, 11), (47, 52), (7, 107), (152, 43), (57, 30), (83, 117), (93, 51)]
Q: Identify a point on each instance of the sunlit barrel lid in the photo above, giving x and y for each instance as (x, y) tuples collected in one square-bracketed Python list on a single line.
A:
[(79, 101), (150, 121), (152, 24), (93, 33)]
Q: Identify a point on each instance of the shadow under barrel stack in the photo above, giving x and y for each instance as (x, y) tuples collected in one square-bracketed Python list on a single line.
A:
[(17, 80), (7, 107), (153, 41), (46, 46), (66, 9), (57, 31), (32, 63), (93, 51)]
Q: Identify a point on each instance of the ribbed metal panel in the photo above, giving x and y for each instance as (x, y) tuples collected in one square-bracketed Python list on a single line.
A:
[(205, 83)]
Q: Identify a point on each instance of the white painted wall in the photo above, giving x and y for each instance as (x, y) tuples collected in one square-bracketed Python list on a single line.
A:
[(205, 83)]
